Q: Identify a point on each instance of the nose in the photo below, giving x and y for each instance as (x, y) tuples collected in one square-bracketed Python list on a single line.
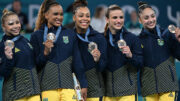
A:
[(118, 20)]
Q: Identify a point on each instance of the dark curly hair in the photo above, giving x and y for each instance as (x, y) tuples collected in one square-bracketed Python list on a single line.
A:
[(142, 6), (79, 3)]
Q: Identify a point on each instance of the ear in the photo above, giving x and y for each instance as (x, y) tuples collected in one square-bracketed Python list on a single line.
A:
[(107, 20), (74, 18), (46, 15), (140, 20), (3, 27)]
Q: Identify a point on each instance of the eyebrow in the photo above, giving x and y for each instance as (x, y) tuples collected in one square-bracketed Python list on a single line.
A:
[(11, 22)]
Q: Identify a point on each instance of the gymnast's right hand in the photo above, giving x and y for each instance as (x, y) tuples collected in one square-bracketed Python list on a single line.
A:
[(48, 45), (8, 52)]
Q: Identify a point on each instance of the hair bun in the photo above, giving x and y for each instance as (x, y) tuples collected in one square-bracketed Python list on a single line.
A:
[(5, 11), (78, 3), (141, 3), (83, 2)]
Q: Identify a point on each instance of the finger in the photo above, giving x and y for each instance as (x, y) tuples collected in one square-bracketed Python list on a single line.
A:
[(125, 52), (7, 48), (177, 31), (122, 47), (93, 52)]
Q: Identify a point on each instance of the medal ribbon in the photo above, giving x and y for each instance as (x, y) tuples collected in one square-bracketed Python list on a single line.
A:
[(86, 36), (111, 37), (46, 32)]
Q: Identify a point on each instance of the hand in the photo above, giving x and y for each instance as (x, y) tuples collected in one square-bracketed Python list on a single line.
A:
[(177, 34), (47, 46), (8, 52), (84, 93), (126, 50), (96, 54)]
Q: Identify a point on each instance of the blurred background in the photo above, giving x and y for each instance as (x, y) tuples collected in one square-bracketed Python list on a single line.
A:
[(167, 11)]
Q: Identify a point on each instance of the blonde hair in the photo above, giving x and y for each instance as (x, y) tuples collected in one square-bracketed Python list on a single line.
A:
[(5, 14)]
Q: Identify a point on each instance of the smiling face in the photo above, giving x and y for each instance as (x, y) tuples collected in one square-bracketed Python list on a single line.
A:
[(82, 18), (11, 25), (148, 18), (54, 16), (115, 20)]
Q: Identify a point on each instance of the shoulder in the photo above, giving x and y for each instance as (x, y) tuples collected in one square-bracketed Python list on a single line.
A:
[(38, 34), (66, 31), (24, 39), (130, 35)]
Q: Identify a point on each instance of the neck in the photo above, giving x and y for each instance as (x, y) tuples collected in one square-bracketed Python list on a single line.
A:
[(149, 29), (49, 25), (113, 31), (8, 34), (80, 30)]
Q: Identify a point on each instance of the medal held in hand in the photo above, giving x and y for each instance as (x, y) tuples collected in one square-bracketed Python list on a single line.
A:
[(9, 43), (92, 46), (172, 28), (121, 43), (51, 36)]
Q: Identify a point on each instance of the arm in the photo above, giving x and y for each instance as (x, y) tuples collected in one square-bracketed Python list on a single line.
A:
[(137, 58), (6, 65), (41, 59), (78, 66), (78, 69), (174, 45), (101, 64)]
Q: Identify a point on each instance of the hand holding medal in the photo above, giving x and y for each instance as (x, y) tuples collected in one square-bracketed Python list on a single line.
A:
[(9, 45), (49, 43), (124, 48), (93, 49), (175, 30)]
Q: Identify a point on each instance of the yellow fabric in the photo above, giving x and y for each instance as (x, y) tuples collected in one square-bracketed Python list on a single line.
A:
[(59, 95), (92, 99), (170, 96), (122, 98), (31, 98), (17, 50)]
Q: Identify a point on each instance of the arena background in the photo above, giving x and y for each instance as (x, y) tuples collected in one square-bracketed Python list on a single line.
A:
[(168, 12)]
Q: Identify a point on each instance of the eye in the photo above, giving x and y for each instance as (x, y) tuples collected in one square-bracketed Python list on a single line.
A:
[(80, 15), (146, 17), (61, 14), (121, 17), (87, 16), (17, 22), (114, 17), (153, 15), (55, 14)]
